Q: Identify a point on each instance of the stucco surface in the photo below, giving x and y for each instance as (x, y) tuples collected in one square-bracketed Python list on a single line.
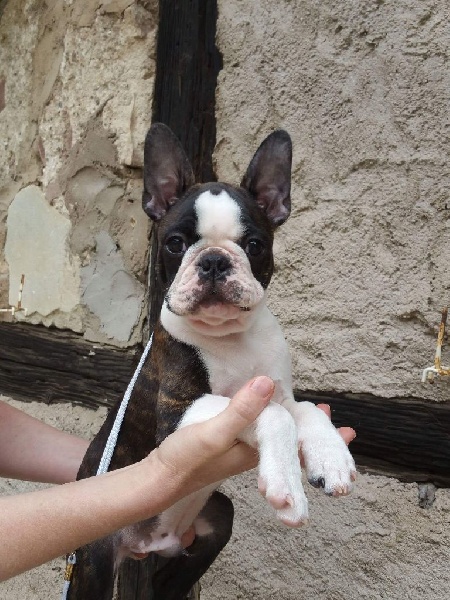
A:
[(76, 86), (39, 247), (363, 264)]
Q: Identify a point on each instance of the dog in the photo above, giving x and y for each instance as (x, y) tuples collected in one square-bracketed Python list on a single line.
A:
[(215, 332)]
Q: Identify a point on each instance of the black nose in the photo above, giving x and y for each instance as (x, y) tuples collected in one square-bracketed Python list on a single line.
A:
[(214, 267)]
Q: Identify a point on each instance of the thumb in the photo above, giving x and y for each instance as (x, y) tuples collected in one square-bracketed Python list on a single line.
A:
[(243, 409)]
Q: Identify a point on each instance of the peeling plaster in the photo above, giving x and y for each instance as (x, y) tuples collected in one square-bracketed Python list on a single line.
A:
[(110, 292), (37, 246)]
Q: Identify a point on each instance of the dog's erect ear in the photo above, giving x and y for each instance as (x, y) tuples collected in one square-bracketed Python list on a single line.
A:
[(167, 171), (268, 177)]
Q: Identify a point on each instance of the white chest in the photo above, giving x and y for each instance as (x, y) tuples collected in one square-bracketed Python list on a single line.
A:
[(232, 360), (260, 351)]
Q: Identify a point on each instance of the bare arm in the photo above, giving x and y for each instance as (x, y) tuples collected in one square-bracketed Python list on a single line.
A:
[(38, 526), (34, 451)]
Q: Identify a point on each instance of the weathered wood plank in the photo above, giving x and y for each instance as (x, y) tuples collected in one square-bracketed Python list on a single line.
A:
[(408, 438), (52, 365), (188, 63), (404, 437)]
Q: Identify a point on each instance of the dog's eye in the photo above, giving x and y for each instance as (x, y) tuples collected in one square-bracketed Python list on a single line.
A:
[(176, 245), (254, 247)]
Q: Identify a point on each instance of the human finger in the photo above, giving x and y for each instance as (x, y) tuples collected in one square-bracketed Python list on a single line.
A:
[(326, 409), (243, 409), (188, 537), (348, 434)]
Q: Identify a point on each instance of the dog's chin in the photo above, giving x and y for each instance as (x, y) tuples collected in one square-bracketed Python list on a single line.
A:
[(218, 318), (215, 311)]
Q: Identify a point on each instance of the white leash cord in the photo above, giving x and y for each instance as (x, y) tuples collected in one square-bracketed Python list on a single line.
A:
[(115, 430), (108, 453)]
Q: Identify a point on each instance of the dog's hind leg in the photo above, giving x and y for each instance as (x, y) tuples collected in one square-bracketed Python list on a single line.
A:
[(93, 574), (213, 530)]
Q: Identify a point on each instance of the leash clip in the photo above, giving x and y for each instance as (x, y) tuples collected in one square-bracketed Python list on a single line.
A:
[(71, 561)]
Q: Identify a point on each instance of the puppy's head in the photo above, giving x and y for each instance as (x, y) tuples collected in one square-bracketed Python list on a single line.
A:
[(215, 240)]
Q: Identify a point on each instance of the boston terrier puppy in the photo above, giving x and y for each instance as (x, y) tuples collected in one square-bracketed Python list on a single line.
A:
[(215, 333)]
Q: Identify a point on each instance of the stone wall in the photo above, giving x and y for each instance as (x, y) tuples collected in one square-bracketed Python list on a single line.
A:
[(77, 84), (363, 268), (363, 264), (364, 261)]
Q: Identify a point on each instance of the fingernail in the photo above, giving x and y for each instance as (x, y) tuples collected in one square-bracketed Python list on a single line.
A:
[(262, 386)]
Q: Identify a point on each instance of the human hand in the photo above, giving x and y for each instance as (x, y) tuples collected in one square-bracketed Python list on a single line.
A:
[(348, 434), (212, 446)]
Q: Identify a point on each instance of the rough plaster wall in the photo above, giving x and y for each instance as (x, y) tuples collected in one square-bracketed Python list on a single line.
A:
[(364, 262), (375, 544), (76, 84), (363, 268)]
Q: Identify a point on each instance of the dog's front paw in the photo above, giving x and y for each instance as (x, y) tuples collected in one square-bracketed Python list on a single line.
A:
[(283, 490), (329, 464)]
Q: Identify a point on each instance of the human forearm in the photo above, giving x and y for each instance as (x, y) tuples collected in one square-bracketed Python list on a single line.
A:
[(34, 451), (39, 526)]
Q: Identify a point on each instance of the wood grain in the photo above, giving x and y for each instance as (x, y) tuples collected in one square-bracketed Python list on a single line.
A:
[(408, 438), (52, 365)]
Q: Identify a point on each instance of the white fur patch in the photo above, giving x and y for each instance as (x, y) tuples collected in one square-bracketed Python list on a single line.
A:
[(218, 217)]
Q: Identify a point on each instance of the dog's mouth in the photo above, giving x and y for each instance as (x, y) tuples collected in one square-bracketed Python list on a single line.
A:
[(216, 302), (215, 312), (224, 298)]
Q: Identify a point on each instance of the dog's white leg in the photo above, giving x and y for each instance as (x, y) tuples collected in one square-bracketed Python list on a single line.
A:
[(203, 408), (328, 462), (279, 465), (275, 435)]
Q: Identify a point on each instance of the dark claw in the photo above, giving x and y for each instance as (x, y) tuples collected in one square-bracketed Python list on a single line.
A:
[(318, 482)]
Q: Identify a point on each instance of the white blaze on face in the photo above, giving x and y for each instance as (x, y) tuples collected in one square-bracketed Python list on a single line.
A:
[(218, 217)]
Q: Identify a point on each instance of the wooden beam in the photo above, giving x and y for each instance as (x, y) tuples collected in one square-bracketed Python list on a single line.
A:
[(53, 365), (407, 438), (187, 65)]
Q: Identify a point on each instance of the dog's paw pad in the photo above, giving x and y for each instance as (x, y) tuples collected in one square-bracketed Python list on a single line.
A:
[(317, 482), (280, 502), (277, 493), (286, 496), (300, 522)]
